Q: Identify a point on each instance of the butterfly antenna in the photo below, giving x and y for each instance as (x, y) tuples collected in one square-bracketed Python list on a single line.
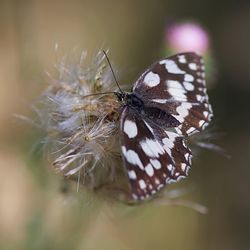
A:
[(113, 73), (96, 94)]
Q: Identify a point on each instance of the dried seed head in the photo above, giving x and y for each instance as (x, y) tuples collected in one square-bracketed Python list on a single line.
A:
[(82, 131)]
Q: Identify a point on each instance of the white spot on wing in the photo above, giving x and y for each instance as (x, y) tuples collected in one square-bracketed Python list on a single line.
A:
[(172, 67), (180, 177), (205, 124), (149, 127), (142, 184), (132, 175), (210, 108), (199, 97), (174, 84), (170, 180), (183, 111), (201, 123), (151, 148), (187, 156), (188, 86), (155, 163), (170, 167), (151, 79), (176, 90), (130, 128), (191, 130), (182, 59), (183, 167), (170, 140), (157, 182), (192, 66), (132, 157), (159, 100), (188, 78), (160, 186), (149, 170), (205, 113)]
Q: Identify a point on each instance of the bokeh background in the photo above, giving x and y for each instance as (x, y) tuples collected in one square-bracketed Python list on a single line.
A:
[(35, 213)]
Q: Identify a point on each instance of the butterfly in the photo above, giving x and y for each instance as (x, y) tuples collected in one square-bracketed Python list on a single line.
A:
[(167, 104)]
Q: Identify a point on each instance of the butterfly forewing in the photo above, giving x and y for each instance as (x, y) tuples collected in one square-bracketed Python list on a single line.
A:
[(153, 156), (177, 85)]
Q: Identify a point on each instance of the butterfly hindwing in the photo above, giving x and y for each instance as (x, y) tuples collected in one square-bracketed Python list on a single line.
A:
[(153, 156), (177, 85)]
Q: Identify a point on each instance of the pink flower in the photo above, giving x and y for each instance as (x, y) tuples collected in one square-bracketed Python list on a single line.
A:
[(187, 37)]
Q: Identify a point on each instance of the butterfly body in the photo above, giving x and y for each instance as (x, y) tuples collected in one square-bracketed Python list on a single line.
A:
[(167, 104), (148, 112)]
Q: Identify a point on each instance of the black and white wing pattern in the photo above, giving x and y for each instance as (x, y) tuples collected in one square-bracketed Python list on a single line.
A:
[(168, 103), (153, 156), (177, 85)]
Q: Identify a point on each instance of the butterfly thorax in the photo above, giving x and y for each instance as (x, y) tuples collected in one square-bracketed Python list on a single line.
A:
[(157, 116), (133, 101)]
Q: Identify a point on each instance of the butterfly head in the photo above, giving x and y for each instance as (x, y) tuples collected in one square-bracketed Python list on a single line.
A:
[(120, 96)]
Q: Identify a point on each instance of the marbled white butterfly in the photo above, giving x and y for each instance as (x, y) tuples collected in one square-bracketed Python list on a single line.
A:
[(167, 104)]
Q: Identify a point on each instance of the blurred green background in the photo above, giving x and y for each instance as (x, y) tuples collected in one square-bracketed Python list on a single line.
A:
[(34, 214)]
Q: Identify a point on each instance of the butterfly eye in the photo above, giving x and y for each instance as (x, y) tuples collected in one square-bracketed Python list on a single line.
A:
[(120, 96)]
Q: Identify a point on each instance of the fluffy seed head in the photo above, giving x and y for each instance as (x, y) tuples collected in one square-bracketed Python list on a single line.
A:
[(82, 131)]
